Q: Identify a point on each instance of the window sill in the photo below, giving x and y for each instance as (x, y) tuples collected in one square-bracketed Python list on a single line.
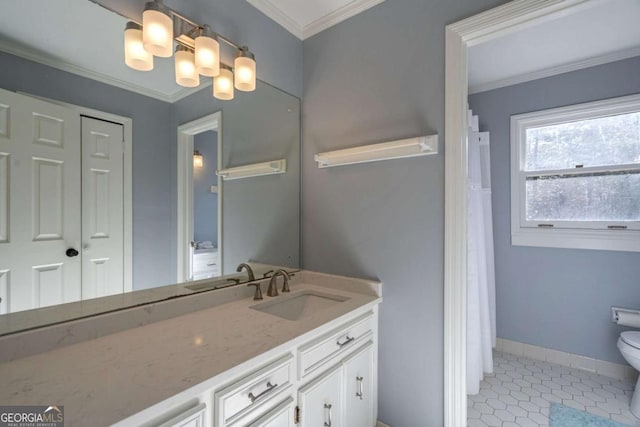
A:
[(607, 240)]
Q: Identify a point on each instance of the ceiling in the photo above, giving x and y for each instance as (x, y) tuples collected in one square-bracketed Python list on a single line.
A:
[(304, 18), (602, 31)]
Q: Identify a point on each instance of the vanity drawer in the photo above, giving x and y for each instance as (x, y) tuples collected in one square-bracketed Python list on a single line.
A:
[(251, 393), (339, 341)]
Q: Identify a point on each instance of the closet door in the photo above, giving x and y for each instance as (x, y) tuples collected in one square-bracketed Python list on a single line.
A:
[(102, 208), (39, 203)]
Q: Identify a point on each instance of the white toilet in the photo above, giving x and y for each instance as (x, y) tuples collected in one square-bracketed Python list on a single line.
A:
[(629, 346)]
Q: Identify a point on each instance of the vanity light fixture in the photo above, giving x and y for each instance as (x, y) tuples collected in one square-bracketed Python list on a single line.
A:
[(207, 49), (223, 84), (198, 160), (186, 73), (157, 29), (245, 67), (197, 51), (134, 54), (412, 147)]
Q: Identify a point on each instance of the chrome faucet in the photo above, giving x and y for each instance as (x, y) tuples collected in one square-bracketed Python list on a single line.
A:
[(249, 271), (273, 283)]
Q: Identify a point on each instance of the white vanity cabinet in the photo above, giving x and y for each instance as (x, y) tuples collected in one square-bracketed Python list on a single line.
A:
[(325, 378)]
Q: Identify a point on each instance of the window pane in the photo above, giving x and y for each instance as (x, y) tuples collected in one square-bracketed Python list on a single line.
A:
[(612, 140), (603, 197)]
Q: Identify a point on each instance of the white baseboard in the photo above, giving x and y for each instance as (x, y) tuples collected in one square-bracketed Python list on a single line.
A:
[(602, 367), (381, 424)]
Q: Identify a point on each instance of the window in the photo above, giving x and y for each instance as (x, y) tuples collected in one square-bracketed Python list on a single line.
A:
[(575, 176)]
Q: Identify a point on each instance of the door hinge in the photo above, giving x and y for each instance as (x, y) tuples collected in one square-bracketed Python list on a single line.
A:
[(296, 415)]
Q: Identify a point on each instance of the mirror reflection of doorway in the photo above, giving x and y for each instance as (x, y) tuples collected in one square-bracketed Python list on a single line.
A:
[(199, 201), (205, 259)]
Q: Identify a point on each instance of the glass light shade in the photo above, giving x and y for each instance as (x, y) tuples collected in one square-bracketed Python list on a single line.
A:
[(157, 30), (207, 55), (186, 74), (198, 160), (223, 85), (245, 71), (134, 54)]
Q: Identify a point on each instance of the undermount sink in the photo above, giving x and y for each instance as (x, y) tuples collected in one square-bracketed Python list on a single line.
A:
[(299, 304)]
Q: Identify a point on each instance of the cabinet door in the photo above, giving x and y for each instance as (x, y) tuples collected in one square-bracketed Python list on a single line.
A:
[(280, 416), (321, 401), (359, 388)]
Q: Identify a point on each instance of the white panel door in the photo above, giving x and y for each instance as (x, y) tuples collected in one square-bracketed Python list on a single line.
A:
[(39, 203), (102, 208), (359, 388), (321, 401)]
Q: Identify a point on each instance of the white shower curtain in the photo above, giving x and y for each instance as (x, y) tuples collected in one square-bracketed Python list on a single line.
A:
[(481, 311)]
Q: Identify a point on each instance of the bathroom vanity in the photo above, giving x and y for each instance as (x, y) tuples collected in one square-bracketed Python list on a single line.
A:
[(306, 358)]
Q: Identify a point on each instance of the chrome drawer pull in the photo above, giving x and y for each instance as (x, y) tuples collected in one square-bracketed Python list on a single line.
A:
[(328, 423), (360, 392), (349, 339), (270, 387)]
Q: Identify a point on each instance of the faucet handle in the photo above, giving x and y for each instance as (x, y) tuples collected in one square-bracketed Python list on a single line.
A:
[(285, 285), (258, 295)]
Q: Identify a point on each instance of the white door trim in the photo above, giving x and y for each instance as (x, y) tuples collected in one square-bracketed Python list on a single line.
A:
[(127, 124), (186, 133), (459, 37)]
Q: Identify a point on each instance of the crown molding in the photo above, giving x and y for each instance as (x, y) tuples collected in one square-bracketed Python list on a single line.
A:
[(548, 72), (305, 31), (277, 15), (35, 56), (338, 16)]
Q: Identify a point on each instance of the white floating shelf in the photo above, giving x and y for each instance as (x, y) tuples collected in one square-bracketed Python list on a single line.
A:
[(257, 169), (412, 147)]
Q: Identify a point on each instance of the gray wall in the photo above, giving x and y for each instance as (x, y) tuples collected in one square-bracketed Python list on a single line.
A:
[(278, 52), (556, 298), (375, 77), (205, 203), (261, 216)]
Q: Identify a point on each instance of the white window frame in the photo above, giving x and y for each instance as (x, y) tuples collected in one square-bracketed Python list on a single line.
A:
[(566, 234)]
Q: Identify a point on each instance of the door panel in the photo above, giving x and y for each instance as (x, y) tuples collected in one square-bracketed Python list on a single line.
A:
[(48, 282), (358, 371), (39, 201), (321, 401), (48, 199), (4, 197), (102, 208), (4, 289)]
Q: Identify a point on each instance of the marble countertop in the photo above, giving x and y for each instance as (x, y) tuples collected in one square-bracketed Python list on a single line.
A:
[(104, 380)]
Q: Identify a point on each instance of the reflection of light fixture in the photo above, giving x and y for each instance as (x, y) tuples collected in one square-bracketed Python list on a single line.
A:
[(186, 74), (245, 70), (134, 54), (157, 29), (207, 53), (223, 84), (198, 160), (198, 51)]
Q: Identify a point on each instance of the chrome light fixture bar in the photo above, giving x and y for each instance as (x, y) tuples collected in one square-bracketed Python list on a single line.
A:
[(197, 51), (412, 147)]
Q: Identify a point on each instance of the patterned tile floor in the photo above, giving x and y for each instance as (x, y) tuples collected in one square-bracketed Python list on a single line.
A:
[(520, 391)]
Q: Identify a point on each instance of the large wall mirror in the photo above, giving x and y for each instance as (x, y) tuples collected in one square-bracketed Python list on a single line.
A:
[(118, 186)]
